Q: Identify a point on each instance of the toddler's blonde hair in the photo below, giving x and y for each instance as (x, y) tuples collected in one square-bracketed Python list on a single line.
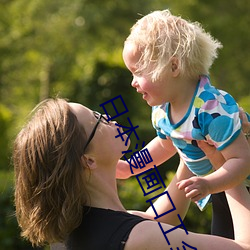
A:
[(161, 36)]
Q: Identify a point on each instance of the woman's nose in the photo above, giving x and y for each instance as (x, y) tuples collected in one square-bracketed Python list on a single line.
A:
[(107, 117)]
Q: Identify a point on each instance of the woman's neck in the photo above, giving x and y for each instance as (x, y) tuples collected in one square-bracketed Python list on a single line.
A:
[(102, 189)]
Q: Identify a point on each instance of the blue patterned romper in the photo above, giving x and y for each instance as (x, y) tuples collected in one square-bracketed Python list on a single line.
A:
[(213, 115)]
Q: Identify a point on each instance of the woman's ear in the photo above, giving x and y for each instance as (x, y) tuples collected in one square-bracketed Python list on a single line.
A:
[(175, 66), (90, 161)]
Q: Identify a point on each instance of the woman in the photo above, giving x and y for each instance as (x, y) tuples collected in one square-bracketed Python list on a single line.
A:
[(65, 188)]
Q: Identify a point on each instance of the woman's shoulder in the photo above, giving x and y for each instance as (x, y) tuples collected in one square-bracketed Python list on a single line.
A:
[(102, 229), (160, 236), (147, 235)]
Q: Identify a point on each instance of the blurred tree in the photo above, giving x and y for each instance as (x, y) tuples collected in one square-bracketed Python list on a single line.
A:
[(5, 123), (73, 48), (228, 21)]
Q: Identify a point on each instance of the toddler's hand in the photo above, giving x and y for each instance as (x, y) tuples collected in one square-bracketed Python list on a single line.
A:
[(123, 170), (194, 187)]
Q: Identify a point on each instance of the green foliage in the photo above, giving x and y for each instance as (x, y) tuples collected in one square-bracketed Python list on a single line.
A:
[(131, 194), (245, 103), (73, 48), (5, 123), (230, 71)]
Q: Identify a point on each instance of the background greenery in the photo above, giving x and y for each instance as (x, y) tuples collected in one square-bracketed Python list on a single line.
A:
[(73, 48)]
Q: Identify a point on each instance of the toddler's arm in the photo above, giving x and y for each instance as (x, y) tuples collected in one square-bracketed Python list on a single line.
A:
[(160, 150), (234, 171)]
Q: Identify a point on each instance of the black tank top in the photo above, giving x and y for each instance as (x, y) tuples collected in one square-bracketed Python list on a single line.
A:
[(102, 229)]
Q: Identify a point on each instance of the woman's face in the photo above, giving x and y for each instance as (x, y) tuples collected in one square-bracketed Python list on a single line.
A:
[(103, 143)]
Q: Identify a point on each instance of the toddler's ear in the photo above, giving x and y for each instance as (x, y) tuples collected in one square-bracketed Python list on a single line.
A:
[(175, 66)]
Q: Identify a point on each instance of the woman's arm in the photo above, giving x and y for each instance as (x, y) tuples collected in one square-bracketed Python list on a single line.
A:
[(235, 166), (181, 203), (239, 203), (163, 204), (148, 235), (233, 172)]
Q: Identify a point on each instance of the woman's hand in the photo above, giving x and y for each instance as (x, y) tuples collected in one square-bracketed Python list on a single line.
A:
[(245, 124), (198, 187)]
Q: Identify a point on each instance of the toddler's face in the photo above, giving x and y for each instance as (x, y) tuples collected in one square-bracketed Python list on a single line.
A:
[(152, 92)]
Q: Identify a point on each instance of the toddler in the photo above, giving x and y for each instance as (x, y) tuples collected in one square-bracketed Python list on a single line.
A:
[(170, 59)]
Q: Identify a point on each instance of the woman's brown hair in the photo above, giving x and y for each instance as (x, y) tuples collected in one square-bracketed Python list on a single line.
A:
[(49, 180)]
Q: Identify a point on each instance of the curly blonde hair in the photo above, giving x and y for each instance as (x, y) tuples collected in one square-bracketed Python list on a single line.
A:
[(49, 180), (160, 36)]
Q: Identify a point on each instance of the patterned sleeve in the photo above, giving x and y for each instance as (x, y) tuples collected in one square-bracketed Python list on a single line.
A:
[(158, 116), (218, 118)]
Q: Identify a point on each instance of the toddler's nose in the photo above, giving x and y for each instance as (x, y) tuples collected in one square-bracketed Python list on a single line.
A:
[(134, 83)]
